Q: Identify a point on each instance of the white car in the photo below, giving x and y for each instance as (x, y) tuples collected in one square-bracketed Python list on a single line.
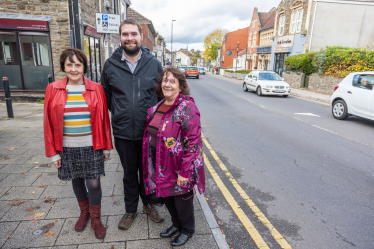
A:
[(354, 96), (266, 83)]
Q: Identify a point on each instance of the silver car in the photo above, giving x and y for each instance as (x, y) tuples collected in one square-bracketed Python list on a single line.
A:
[(183, 69)]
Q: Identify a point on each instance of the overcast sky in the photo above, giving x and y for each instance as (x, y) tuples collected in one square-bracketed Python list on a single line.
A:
[(197, 18)]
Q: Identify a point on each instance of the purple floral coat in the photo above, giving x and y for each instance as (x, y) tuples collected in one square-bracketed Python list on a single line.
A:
[(179, 150)]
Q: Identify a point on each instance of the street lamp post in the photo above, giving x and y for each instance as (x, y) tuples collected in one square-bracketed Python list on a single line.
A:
[(171, 46), (236, 64)]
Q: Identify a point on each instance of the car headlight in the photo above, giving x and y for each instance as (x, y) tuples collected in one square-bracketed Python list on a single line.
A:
[(267, 86)]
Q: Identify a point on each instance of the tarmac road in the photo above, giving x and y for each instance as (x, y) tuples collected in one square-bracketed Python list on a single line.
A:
[(310, 175)]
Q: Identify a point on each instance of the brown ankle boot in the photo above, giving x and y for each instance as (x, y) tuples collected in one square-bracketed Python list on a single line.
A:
[(95, 213), (152, 211), (85, 215)]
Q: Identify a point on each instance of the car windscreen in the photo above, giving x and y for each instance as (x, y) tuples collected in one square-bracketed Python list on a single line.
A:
[(269, 76), (192, 68)]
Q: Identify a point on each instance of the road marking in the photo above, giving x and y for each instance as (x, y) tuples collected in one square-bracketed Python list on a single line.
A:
[(308, 114), (235, 206), (263, 106), (274, 232)]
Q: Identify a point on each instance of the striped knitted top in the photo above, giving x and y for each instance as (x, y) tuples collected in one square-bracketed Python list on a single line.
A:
[(77, 119)]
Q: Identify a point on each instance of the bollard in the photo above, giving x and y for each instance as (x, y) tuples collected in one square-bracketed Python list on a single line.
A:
[(8, 99), (49, 79)]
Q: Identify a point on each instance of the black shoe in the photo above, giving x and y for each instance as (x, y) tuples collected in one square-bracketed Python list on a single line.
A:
[(167, 233), (181, 239)]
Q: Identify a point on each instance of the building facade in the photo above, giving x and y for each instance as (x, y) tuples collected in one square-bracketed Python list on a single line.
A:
[(266, 39), (34, 33), (182, 58), (232, 44), (290, 29)]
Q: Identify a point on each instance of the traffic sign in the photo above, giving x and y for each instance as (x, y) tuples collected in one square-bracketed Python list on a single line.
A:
[(229, 52), (107, 23)]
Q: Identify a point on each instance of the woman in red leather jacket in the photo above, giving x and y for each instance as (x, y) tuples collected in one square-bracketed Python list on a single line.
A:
[(77, 135)]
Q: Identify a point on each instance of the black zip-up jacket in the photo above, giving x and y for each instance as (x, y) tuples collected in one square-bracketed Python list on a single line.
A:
[(129, 95)]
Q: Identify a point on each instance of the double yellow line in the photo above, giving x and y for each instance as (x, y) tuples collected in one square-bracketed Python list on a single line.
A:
[(237, 209)]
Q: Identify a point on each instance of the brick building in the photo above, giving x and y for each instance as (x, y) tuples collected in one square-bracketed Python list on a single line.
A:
[(266, 40), (34, 33), (149, 32), (232, 44)]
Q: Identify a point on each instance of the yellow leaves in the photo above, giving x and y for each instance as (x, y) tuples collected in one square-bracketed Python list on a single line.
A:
[(37, 215), (212, 42), (49, 234)]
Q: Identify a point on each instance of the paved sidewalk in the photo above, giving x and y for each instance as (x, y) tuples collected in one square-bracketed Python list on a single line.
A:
[(301, 93), (33, 198)]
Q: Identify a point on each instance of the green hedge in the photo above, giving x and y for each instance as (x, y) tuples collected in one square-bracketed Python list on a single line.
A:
[(239, 71), (335, 61), (301, 62)]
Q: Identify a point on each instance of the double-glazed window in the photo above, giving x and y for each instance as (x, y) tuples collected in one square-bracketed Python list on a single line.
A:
[(281, 24), (296, 20)]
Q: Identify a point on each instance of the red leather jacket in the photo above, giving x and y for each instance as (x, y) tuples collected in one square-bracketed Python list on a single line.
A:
[(54, 104)]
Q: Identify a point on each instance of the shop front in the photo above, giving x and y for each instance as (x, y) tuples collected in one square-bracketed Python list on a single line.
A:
[(264, 55), (25, 54), (92, 50)]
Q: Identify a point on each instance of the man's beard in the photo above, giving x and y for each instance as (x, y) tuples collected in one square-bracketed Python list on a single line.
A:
[(131, 51)]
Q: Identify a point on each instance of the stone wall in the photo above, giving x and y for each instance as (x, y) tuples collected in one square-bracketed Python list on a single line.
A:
[(296, 80), (323, 84), (59, 27)]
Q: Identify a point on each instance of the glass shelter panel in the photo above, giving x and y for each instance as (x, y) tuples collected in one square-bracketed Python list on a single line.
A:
[(9, 62), (36, 60)]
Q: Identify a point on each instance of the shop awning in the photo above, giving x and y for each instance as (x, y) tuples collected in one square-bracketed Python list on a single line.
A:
[(29, 25)]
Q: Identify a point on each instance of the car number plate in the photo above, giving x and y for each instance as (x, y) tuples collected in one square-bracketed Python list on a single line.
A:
[(279, 91), (192, 74)]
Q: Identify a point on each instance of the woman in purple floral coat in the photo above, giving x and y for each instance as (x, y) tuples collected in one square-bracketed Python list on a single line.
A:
[(173, 153)]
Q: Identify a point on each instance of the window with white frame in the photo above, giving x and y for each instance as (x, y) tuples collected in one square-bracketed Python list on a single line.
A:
[(254, 38), (250, 39), (281, 25), (254, 24), (299, 20), (296, 20)]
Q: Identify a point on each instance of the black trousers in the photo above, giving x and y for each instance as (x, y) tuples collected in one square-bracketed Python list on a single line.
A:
[(181, 210), (130, 153)]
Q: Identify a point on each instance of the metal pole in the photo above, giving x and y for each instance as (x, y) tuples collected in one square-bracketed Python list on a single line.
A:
[(107, 11), (8, 99), (172, 41)]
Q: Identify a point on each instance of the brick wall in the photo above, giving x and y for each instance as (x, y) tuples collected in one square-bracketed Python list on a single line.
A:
[(323, 84), (146, 40), (59, 27), (231, 44)]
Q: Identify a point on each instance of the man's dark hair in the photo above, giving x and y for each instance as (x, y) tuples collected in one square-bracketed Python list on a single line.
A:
[(132, 22), (185, 90), (69, 53)]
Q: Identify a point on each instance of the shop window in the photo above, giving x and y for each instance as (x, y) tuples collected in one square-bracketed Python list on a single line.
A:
[(9, 63), (92, 52), (281, 25), (86, 41)]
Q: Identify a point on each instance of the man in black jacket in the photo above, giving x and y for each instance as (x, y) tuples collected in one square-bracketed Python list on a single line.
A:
[(128, 78)]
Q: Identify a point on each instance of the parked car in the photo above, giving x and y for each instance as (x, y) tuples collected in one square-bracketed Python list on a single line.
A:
[(266, 83), (201, 70), (192, 72), (182, 69), (354, 96)]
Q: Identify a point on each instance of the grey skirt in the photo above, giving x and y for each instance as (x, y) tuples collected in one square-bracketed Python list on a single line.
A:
[(81, 162)]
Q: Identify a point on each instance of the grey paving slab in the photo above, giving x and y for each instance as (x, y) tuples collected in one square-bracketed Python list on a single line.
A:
[(156, 228), (30, 141), (21, 193), (59, 192), (15, 168), (24, 180), (49, 179), (3, 189), (113, 206), (69, 236), (27, 210), (196, 203), (114, 159), (3, 176), (112, 178), (14, 159), (111, 167), (15, 151), (4, 207), (200, 241), (118, 189), (11, 144), (149, 244), (6, 230), (23, 237), (110, 245), (44, 168), (64, 208), (59, 247), (38, 159), (201, 225), (107, 189), (137, 231)]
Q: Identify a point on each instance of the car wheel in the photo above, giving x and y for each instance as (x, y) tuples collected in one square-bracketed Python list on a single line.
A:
[(245, 89), (258, 91), (340, 110), (197, 77), (285, 96)]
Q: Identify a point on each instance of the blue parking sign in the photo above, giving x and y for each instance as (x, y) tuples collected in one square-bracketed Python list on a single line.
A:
[(105, 18)]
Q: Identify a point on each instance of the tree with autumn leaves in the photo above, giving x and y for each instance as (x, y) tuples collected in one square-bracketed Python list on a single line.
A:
[(212, 42)]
